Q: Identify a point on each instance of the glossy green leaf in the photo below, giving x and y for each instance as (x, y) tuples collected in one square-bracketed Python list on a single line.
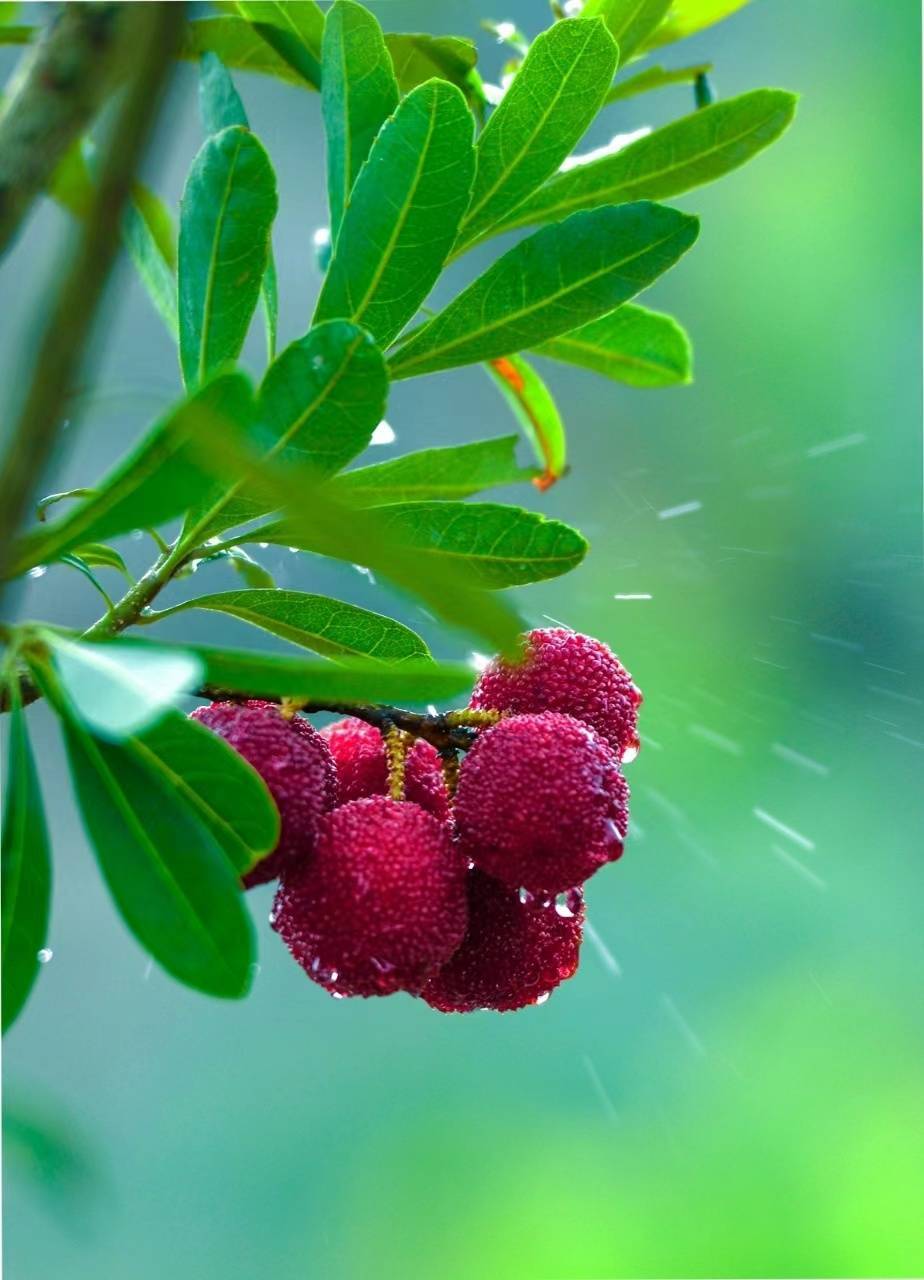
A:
[(155, 482), (247, 568), (498, 546), (457, 471), (534, 407), (630, 22), (696, 149), (293, 29), (558, 278), (25, 882), (687, 17), (74, 561), (544, 113), (171, 880), (318, 405), (329, 627), (358, 94), (644, 348), (418, 57), (156, 275), (219, 786), (485, 543), (117, 689), (226, 214), (655, 78), (403, 213), (221, 107)]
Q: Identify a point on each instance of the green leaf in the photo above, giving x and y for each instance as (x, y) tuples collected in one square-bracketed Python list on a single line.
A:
[(319, 404), (655, 78), (25, 883), (535, 409), (687, 17), (558, 278), (158, 480), (546, 110), (329, 627), (156, 274), (293, 30), (171, 880), (403, 213), (221, 107), (219, 786), (697, 149), (75, 562), (418, 57), (358, 94), (634, 345), (117, 689), (485, 543), (103, 557), (247, 568), (631, 22), (238, 45), (226, 214), (454, 472)]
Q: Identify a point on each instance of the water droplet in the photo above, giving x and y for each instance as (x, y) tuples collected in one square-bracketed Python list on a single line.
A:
[(383, 434), (630, 753), (262, 545), (542, 999), (38, 572), (338, 995), (478, 660), (321, 237), (45, 955), (294, 550), (137, 535)]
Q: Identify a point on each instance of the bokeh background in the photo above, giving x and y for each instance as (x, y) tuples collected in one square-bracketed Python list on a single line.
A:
[(732, 1084)]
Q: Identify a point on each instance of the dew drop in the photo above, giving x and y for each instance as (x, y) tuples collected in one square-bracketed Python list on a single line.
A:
[(38, 572), (629, 754), (383, 434), (45, 955), (542, 999)]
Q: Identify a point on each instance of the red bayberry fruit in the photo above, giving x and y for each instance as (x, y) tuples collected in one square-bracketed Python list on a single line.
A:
[(381, 904), (541, 803), (294, 762), (362, 768), (516, 949), (568, 672)]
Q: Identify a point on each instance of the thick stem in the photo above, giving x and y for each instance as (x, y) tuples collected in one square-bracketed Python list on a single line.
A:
[(156, 29)]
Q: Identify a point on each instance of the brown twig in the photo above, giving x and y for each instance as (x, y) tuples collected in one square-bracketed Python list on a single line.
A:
[(154, 30)]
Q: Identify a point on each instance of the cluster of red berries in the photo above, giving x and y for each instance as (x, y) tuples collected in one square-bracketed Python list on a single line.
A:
[(471, 901)]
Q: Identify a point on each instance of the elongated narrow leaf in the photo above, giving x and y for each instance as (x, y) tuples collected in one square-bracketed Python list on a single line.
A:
[(218, 785), (157, 481), (543, 114), (226, 214), (687, 17), (322, 524), (644, 348), (454, 472), (156, 275), (697, 149), (100, 556), (221, 107), (25, 884), (558, 278), (418, 57), (403, 213), (498, 546), (655, 78), (486, 543), (631, 22), (535, 409), (329, 627), (171, 880), (292, 30), (358, 94), (118, 690), (318, 406)]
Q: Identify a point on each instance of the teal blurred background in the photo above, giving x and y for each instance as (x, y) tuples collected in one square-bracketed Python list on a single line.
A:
[(732, 1085)]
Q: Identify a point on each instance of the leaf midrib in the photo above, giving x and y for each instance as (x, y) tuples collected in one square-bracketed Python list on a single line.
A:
[(213, 258)]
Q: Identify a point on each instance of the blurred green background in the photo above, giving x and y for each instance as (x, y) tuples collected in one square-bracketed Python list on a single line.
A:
[(732, 1084)]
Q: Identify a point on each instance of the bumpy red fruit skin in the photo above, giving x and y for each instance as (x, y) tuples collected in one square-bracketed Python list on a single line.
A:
[(565, 671), (541, 803), (380, 906), (516, 949), (295, 763), (362, 769)]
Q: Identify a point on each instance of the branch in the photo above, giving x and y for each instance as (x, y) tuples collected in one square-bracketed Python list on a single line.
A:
[(58, 89), (154, 31)]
